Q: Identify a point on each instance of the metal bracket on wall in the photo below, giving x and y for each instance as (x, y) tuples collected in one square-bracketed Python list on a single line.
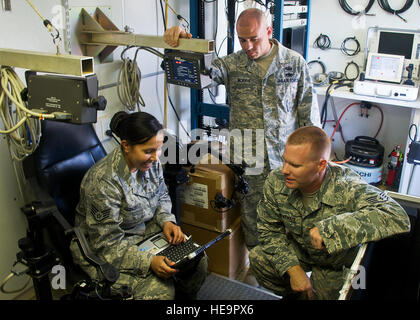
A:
[(98, 36)]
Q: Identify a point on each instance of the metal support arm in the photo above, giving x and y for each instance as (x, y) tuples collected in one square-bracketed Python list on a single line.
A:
[(47, 62), (98, 36)]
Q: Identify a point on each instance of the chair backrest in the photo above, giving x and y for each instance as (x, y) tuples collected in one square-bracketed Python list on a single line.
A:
[(382, 258), (55, 170), (65, 153)]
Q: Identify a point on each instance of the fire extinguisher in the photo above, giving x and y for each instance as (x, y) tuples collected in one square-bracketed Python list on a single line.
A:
[(395, 158)]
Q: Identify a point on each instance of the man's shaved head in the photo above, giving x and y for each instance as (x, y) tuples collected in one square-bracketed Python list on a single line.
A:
[(316, 137), (251, 13)]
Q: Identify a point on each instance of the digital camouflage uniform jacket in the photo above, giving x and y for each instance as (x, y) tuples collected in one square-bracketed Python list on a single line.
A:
[(346, 209), (116, 206), (278, 102)]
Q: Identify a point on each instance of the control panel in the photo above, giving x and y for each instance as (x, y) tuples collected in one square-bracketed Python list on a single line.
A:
[(188, 69)]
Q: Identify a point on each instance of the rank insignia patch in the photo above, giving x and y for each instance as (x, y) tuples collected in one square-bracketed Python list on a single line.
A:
[(100, 215)]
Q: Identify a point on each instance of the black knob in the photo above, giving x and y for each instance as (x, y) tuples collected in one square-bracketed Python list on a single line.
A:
[(99, 103), (24, 94)]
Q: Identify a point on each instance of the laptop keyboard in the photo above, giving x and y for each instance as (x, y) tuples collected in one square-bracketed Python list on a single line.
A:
[(177, 252)]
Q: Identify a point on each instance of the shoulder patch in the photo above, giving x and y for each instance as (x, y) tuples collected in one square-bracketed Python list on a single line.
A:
[(380, 197), (100, 215), (384, 196)]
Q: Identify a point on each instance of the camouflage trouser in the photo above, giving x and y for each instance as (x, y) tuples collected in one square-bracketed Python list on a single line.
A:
[(152, 287), (255, 174), (327, 283), (249, 204)]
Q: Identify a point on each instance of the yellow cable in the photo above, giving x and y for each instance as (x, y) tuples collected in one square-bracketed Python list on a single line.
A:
[(36, 10), (168, 5), (49, 26)]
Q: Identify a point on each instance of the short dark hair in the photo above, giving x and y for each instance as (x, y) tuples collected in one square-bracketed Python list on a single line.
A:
[(136, 127), (252, 12), (316, 137)]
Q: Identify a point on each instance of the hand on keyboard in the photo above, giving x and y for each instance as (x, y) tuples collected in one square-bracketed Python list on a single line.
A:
[(161, 266), (173, 233)]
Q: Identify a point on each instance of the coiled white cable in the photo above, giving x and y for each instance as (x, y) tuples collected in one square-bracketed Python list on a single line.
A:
[(128, 84), (22, 130), (129, 78)]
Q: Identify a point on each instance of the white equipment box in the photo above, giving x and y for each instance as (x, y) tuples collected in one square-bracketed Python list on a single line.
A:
[(386, 90)]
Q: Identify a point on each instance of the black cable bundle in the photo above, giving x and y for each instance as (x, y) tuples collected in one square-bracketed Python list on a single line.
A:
[(346, 7), (336, 84), (322, 42), (347, 51), (356, 67), (320, 63), (385, 5)]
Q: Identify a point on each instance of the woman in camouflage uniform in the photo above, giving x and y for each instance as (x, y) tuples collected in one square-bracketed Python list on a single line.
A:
[(124, 200)]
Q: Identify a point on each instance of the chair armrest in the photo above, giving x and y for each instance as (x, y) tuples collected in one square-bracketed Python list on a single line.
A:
[(110, 273)]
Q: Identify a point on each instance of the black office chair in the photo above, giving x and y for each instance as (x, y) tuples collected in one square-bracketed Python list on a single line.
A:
[(55, 171)]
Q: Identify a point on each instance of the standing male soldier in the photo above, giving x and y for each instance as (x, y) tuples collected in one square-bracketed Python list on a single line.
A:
[(270, 91), (313, 217)]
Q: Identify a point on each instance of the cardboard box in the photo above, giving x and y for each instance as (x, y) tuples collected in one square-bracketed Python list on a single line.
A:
[(226, 257), (197, 197)]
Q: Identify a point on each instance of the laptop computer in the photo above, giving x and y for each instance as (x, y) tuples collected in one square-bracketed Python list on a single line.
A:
[(182, 253)]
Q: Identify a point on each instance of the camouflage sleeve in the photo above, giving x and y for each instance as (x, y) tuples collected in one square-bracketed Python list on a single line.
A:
[(307, 103), (106, 238), (163, 210), (272, 232), (219, 72), (372, 216)]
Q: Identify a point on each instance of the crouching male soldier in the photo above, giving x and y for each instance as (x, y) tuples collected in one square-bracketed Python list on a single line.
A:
[(313, 216)]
